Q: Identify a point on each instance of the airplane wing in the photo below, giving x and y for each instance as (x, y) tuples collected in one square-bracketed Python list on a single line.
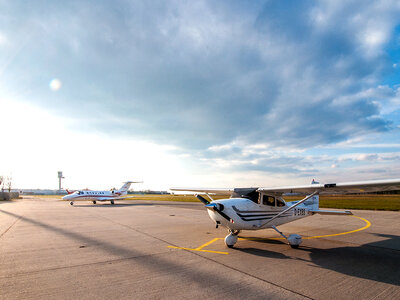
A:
[(109, 199), (338, 188), (205, 190)]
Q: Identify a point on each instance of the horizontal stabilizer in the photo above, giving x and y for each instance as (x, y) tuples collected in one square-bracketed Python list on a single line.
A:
[(330, 212)]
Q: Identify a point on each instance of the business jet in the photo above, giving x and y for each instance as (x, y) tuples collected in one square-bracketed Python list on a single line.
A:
[(95, 196), (263, 207)]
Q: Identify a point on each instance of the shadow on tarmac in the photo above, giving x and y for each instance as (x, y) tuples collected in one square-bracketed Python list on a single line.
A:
[(192, 205), (377, 261), (263, 253), (161, 265)]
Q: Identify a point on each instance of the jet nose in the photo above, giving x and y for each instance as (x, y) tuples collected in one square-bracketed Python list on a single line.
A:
[(66, 197)]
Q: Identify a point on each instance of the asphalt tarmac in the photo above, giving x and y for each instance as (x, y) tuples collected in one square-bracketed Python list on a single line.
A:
[(171, 250)]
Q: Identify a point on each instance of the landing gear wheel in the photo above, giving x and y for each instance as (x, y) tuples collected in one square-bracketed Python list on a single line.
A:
[(294, 240), (231, 238), (72, 203), (112, 201), (94, 201)]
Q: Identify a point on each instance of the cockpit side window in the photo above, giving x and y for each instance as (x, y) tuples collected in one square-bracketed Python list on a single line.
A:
[(268, 200), (279, 202)]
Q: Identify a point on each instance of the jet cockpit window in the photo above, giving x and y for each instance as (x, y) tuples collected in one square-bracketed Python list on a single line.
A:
[(268, 200)]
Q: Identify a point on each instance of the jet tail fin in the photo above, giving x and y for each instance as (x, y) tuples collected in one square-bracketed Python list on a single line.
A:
[(127, 185)]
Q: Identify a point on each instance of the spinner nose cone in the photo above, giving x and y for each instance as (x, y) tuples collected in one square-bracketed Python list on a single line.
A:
[(215, 206)]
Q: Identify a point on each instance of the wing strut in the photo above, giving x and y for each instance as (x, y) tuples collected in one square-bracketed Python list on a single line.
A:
[(290, 208)]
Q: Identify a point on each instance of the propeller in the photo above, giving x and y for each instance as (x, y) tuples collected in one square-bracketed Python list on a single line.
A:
[(202, 199), (218, 207)]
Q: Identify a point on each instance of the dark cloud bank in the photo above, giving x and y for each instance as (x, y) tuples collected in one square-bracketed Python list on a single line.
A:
[(204, 73)]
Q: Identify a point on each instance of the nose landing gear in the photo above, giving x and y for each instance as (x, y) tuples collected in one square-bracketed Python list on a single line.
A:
[(231, 238)]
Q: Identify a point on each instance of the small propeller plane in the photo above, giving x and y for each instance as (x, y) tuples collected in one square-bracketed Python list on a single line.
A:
[(95, 196), (260, 208)]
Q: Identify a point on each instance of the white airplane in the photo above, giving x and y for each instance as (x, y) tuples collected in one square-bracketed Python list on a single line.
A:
[(261, 208), (95, 196)]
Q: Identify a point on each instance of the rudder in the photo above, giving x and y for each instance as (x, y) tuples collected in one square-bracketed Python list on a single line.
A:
[(312, 203)]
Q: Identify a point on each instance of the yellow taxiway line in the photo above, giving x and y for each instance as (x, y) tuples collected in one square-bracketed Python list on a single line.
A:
[(368, 224), (201, 247)]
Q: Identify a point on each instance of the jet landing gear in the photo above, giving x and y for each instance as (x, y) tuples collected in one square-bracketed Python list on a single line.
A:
[(112, 202), (94, 201), (72, 203), (294, 240), (231, 238)]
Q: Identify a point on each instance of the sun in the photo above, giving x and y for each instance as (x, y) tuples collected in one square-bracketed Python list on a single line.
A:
[(55, 84)]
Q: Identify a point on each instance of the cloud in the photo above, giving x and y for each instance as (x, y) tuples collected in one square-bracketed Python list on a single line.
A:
[(291, 75)]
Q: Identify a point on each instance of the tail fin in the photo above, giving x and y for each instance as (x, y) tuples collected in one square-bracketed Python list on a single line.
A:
[(312, 203), (126, 186)]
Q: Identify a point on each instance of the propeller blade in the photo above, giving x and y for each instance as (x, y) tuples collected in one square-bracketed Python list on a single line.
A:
[(218, 208), (202, 199)]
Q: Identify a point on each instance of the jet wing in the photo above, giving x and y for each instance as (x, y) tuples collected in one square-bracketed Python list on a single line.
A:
[(109, 198), (104, 199), (205, 190), (338, 188)]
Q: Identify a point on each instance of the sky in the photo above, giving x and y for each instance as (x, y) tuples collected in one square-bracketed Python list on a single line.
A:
[(198, 93)]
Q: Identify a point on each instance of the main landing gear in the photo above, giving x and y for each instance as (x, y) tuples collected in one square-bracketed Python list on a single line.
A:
[(231, 238), (294, 240), (112, 202), (94, 201)]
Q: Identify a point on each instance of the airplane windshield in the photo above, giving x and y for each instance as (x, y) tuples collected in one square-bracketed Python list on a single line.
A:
[(248, 193)]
